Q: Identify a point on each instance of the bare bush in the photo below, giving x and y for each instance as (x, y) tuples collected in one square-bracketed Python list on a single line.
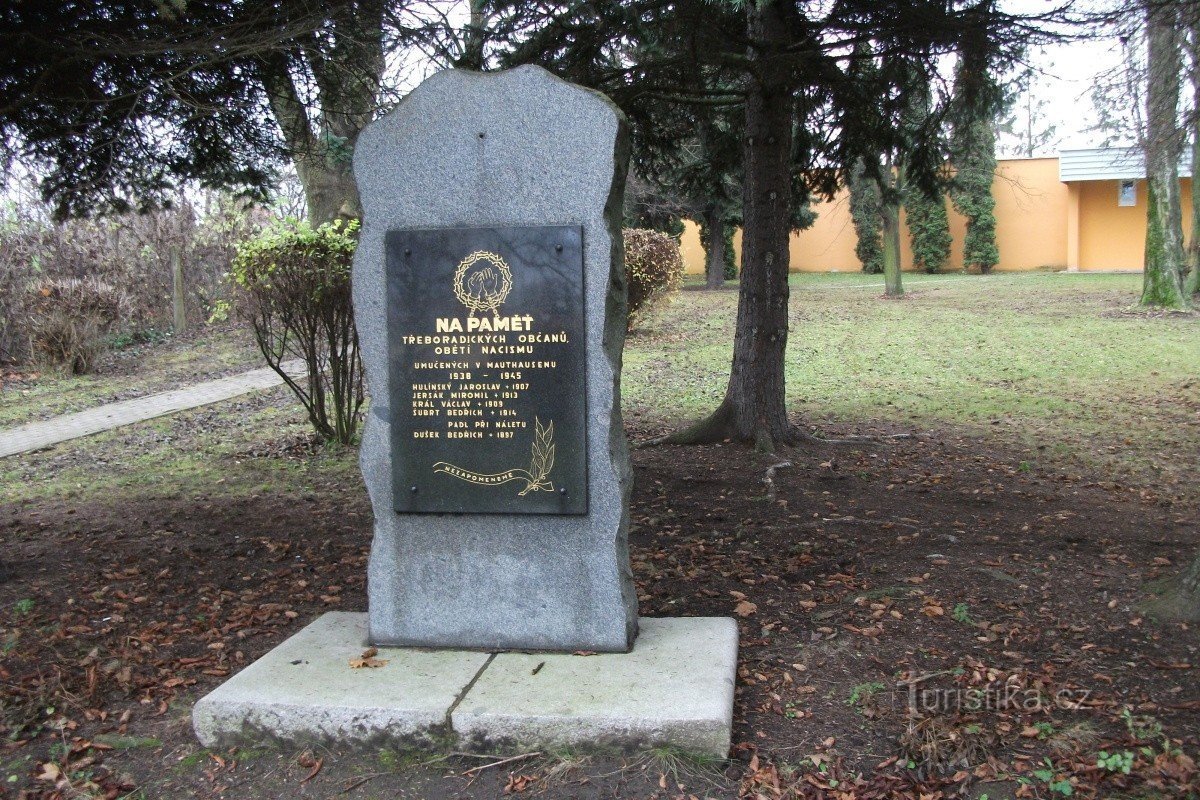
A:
[(297, 285), (653, 268), (69, 320), (132, 252)]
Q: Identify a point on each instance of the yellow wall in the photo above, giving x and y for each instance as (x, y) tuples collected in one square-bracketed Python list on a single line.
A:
[(1112, 236), (1031, 215), (1033, 226)]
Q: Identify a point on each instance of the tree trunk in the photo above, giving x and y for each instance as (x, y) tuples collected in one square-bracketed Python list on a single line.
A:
[(891, 250), (347, 68), (1029, 123), (1162, 284), (714, 253), (178, 296), (890, 211), (325, 173), (1180, 600), (1192, 284), (472, 50), (754, 408), (329, 190)]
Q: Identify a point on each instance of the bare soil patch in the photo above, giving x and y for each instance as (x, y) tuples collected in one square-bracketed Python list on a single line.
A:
[(938, 571)]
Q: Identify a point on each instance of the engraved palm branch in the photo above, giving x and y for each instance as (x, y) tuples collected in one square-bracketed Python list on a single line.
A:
[(542, 458), (540, 465)]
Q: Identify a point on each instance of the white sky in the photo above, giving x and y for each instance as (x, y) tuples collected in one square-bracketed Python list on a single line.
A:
[(1064, 77), (1067, 73)]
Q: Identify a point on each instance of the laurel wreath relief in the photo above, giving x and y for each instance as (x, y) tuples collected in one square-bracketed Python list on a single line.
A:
[(482, 289)]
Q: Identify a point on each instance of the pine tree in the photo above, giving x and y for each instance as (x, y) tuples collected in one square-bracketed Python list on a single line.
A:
[(120, 103)]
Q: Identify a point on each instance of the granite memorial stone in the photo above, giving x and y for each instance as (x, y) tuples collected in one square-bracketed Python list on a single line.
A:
[(489, 298)]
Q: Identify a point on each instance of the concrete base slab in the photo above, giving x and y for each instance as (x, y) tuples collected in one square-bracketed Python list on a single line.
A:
[(305, 689), (674, 689)]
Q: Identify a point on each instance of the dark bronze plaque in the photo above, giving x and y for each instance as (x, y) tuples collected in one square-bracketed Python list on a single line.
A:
[(488, 369)]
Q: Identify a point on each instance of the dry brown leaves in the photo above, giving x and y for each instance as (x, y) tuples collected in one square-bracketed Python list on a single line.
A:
[(368, 660)]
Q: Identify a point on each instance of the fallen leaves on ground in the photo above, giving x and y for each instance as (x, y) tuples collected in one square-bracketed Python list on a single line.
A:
[(368, 660), (518, 783)]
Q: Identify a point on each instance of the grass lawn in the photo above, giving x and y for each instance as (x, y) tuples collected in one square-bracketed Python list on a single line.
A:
[(1008, 542), (1061, 363)]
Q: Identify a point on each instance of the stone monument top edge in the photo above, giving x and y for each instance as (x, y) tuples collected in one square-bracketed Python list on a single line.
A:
[(451, 80)]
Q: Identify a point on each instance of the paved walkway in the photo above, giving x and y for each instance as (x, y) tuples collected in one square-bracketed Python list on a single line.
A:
[(36, 435)]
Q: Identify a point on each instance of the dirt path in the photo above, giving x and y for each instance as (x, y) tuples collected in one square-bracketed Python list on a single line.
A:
[(36, 435)]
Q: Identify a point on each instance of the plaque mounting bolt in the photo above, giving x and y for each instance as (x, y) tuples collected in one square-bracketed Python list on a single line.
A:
[(563, 491), (408, 251), (558, 248), (414, 490)]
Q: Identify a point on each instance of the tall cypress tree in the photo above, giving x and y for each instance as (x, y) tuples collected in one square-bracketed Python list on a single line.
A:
[(977, 97), (924, 204), (865, 185), (972, 195), (866, 213), (928, 228)]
